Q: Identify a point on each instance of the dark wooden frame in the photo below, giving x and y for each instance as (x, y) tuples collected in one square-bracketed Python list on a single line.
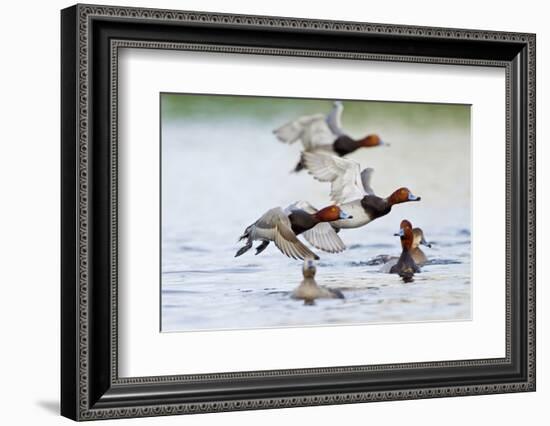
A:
[(90, 386)]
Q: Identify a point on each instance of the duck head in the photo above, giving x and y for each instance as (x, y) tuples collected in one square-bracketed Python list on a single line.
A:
[(402, 195), (371, 140), (331, 213), (309, 269), (406, 234), (419, 238)]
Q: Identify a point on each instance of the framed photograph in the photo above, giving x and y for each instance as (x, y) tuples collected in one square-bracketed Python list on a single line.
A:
[(263, 212)]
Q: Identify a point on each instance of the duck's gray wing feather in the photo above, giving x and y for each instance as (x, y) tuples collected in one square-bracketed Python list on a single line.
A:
[(366, 176), (334, 118), (310, 130), (343, 174), (324, 237), (289, 244), (317, 134), (301, 205), (293, 130)]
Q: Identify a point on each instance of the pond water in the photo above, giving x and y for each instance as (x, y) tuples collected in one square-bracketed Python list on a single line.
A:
[(221, 172)]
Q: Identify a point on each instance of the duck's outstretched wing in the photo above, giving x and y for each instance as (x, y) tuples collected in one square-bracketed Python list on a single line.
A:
[(311, 130), (275, 226), (301, 205), (344, 175), (366, 176), (324, 237), (334, 118)]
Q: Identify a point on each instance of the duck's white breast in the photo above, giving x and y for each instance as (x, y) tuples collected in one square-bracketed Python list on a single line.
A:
[(355, 209)]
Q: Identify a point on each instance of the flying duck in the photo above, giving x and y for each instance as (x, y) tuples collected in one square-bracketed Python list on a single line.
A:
[(350, 188), (416, 252), (283, 225), (323, 133)]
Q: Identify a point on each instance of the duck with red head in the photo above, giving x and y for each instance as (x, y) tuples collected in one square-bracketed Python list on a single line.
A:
[(416, 253), (345, 145), (406, 267), (402, 195), (350, 188), (282, 226), (323, 133)]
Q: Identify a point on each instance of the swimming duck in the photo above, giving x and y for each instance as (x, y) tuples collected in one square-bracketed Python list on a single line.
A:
[(283, 225), (350, 187), (416, 253), (406, 266), (308, 290), (323, 133)]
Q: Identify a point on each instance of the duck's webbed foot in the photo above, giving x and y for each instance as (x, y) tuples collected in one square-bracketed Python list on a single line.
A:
[(261, 247), (244, 249)]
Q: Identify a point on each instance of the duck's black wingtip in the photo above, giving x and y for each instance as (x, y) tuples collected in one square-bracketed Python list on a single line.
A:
[(299, 166)]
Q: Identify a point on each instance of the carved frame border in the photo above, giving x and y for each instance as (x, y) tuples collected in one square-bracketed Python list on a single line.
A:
[(85, 14)]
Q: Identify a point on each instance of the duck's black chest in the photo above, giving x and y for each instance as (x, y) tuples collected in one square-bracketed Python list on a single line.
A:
[(405, 264), (344, 145), (301, 221), (375, 207)]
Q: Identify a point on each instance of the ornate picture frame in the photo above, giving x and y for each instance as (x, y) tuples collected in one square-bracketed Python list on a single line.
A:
[(91, 37)]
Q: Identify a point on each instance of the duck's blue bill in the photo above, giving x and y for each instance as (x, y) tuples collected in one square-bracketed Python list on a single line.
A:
[(344, 215)]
